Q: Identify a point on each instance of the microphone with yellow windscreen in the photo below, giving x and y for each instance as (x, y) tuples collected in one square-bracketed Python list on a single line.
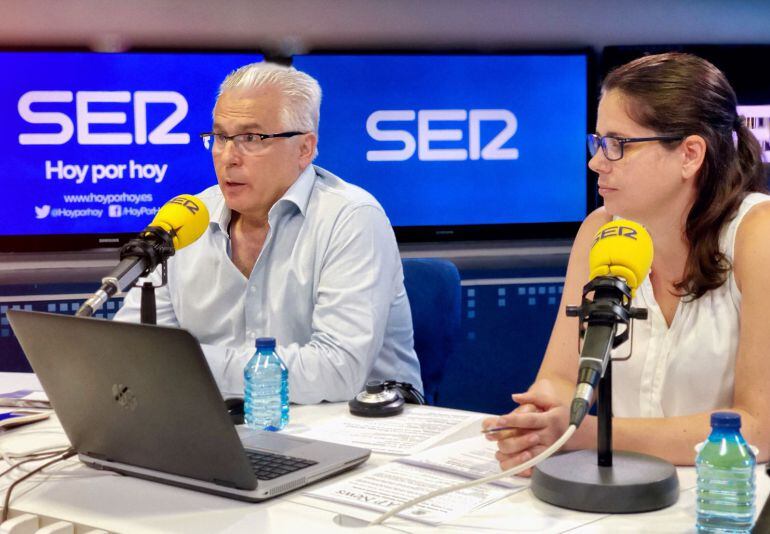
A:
[(619, 260), (622, 249), (604, 480), (179, 222), (184, 218)]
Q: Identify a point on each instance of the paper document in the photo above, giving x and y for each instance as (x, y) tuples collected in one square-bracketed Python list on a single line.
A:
[(412, 431), (405, 478), (471, 457), (395, 483), (25, 398)]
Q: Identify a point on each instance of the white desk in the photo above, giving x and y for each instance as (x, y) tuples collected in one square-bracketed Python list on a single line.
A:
[(123, 504)]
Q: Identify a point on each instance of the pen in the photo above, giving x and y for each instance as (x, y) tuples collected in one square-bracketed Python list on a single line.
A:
[(497, 429), (21, 417)]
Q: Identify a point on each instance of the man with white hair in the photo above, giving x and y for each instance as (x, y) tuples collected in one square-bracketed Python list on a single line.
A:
[(291, 252)]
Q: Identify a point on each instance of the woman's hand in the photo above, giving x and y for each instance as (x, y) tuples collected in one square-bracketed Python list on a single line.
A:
[(539, 420)]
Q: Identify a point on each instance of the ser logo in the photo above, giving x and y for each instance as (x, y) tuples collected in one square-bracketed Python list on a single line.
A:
[(191, 206), (85, 117), (623, 231), (427, 131)]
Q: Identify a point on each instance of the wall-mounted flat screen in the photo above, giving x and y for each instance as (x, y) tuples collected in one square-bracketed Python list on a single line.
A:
[(460, 146), (94, 143)]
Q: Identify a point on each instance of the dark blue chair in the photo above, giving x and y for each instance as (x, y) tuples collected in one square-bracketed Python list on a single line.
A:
[(433, 288)]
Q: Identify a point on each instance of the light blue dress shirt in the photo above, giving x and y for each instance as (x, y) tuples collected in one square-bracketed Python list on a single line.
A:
[(328, 286)]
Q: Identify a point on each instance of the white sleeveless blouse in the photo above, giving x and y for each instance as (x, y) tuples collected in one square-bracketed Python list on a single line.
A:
[(688, 367)]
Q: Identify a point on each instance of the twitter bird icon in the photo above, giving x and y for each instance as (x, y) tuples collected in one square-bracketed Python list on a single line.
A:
[(42, 212)]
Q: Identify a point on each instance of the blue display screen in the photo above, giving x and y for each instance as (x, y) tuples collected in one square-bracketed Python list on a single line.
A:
[(96, 143), (446, 140)]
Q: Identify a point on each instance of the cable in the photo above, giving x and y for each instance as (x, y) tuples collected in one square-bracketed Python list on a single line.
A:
[(9, 455), (32, 457), (6, 503), (512, 471)]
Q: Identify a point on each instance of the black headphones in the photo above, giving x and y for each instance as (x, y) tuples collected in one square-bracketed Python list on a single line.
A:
[(383, 399)]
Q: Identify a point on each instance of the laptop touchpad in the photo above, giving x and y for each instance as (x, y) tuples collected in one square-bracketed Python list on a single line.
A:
[(255, 439)]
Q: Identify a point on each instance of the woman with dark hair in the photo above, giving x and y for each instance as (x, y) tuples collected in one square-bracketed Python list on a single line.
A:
[(698, 187)]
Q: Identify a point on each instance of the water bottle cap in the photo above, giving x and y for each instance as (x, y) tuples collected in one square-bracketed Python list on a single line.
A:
[(725, 420), (265, 342)]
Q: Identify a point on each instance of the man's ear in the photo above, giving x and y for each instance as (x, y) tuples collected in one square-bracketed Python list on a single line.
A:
[(693, 149), (307, 149)]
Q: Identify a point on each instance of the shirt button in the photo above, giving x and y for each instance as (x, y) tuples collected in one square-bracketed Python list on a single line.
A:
[(253, 289)]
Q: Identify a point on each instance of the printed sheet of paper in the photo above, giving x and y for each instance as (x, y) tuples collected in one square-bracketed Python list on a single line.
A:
[(395, 483), (25, 398), (410, 432), (472, 457)]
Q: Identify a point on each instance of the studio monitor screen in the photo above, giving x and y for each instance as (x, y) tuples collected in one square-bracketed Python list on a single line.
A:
[(94, 143), (459, 145)]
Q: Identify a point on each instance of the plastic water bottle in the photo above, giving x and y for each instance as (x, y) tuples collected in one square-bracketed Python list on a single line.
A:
[(725, 466), (266, 395)]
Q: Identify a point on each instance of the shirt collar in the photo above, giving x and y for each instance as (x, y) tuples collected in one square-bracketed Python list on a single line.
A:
[(220, 216), (298, 194)]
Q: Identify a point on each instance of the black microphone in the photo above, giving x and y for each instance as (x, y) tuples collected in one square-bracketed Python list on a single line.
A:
[(619, 260), (180, 221)]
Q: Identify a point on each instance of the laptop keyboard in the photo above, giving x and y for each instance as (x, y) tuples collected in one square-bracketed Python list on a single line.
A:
[(268, 466)]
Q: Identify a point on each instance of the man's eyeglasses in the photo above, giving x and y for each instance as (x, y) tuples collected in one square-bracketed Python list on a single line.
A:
[(613, 146), (246, 143)]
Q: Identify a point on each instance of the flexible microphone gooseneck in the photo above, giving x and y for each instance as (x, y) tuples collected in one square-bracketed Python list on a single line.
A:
[(180, 221), (619, 260)]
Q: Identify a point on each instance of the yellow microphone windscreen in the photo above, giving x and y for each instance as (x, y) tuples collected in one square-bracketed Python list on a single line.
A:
[(184, 217), (621, 248)]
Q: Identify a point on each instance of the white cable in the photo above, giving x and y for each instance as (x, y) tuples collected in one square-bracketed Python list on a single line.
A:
[(20, 467), (457, 487), (60, 473), (8, 456), (52, 473)]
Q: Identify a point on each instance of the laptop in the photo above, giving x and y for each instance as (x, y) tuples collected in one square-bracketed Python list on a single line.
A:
[(141, 400)]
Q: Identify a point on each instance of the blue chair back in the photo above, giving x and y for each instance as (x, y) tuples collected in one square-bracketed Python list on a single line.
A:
[(433, 288)]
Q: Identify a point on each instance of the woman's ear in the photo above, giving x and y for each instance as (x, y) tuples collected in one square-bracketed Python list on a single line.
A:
[(693, 150)]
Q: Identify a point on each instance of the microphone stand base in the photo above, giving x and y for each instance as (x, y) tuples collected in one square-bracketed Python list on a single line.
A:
[(634, 483)]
